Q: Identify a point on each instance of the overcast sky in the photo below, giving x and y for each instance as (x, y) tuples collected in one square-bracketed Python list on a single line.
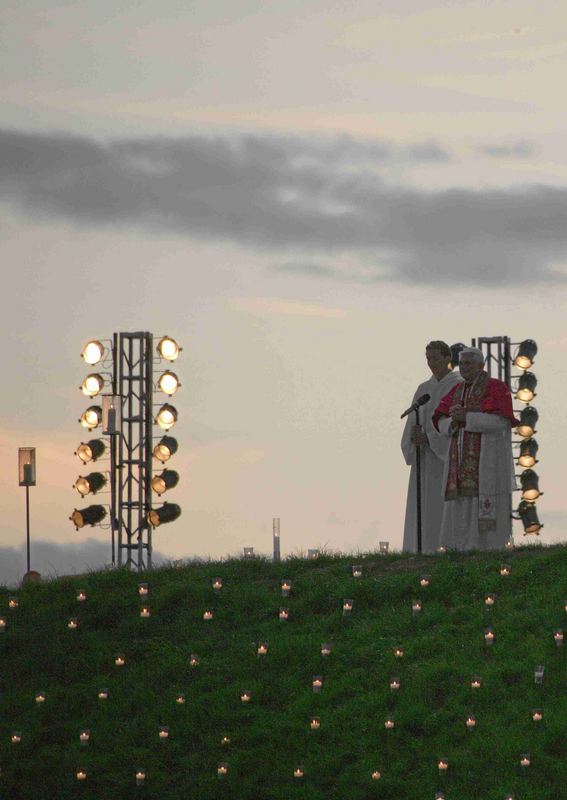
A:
[(304, 194)]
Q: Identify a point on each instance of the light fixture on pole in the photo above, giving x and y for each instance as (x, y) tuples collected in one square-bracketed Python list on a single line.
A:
[(526, 354), (27, 478)]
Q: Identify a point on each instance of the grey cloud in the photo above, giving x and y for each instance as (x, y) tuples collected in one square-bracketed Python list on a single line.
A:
[(52, 559), (294, 194), (517, 150)]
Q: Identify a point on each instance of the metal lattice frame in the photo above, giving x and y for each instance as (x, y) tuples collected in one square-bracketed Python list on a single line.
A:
[(131, 467), (496, 350)]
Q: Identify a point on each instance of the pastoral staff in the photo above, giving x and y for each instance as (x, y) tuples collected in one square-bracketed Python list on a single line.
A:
[(433, 447), (476, 417)]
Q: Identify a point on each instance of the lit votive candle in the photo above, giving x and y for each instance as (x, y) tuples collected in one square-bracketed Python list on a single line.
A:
[(120, 660), (163, 733), (443, 766), (476, 682), (315, 723), (312, 554), (394, 684), (262, 648), (145, 612), (246, 696), (73, 623), (505, 570), (558, 637), (140, 777), (399, 652), (416, 607), (424, 581), (489, 600), (222, 769), (225, 740), (357, 571), (217, 584), (298, 773), (40, 698), (102, 694), (489, 636), (284, 614), (143, 589), (81, 596), (347, 607), (317, 683), (470, 722), (2, 624), (81, 774), (13, 603), (180, 699), (16, 737), (326, 649), (442, 550), (248, 552), (193, 660), (208, 614), (85, 737), (525, 760), (389, 723), (286, 588), (537, 715), (375, 775)]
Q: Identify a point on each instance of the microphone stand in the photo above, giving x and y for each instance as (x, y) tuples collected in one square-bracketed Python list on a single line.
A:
[(418, 485)]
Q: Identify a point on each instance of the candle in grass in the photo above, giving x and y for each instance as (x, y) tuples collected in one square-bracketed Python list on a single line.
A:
[(13, 603), (298, 772), (394, 684), (558, 637), (262, 648), (286, 588), (525, 760), (73, 623), (326, 649), (375, 775), (538, 673), (537, 715), (443, 765), (489, 600), (313, 554), (246, 696), (3, 623), (505, 570), (40, 697), (16, 737), (163, 733), (143, 589), (193, 660), (81, 774), (85, 737), (416, 607), (103, 694), (140, 777), (284, 614), (356, 571), (81, 596), (120, 660), (180, 699), (470, 722), (317, 683), (217, 584), (145, 612), (225, 740), (489, 636), (347, 607), (424, 581), (315, 723), (222, 769), (208, 614), (389, 723), (399, 652), (476, 682)]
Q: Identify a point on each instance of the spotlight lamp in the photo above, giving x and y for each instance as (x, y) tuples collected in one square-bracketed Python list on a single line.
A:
[(530, 485), (91, 450), (165, 448), (90, 484), (168, 348), (91, 515), (92, 385), (93, 352), (168, 512), (526, 354), (91, 418), (528, 420), (168, 383), (528, 514), (166, 417), (168, 479), (528, 452), (527, 383)]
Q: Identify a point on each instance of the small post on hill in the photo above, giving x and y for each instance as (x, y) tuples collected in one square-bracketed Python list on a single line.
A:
[(276, 538)]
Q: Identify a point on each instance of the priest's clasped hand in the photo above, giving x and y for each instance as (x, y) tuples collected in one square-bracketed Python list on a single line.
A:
[(458, 413), (418, 436)]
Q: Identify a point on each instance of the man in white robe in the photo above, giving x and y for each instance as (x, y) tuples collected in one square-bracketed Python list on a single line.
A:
[(478, 479), (432, 449)]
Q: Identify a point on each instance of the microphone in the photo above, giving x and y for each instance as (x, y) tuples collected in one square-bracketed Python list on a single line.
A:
[(421, 401)]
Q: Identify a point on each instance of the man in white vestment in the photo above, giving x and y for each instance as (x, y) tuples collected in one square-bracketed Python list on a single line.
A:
[(476, 417), (432, 448)]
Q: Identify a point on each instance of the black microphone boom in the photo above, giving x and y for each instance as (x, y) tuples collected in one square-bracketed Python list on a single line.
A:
[(421, 401)]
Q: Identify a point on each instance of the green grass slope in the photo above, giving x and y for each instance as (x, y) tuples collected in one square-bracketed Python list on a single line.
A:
[(270, 736)]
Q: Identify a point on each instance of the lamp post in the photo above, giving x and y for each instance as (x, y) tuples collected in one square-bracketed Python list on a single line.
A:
[(26, 475)]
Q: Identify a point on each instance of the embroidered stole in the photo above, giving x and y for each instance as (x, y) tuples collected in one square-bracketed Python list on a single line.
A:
[(464, 452)]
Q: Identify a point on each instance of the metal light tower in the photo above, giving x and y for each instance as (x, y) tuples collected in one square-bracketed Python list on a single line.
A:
[(127, 418)]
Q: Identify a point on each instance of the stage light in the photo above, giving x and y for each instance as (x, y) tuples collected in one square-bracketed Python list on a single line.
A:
[(169, 512), (528, 421), (528, 514), (165, 448), (90, 484), (530, 485), (527, 383), (528, 452), (91, 515), (168, 479), (91, 450), (526, 353), (93, 352), (91, 418), (166, 417), (168, 348), (169, 383), (92, 385)]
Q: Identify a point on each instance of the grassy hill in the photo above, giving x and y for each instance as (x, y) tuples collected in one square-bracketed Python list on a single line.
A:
[(271, 735)]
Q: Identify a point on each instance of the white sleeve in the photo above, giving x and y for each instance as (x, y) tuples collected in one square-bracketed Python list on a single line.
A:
[(445, 426), (480, 422)]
